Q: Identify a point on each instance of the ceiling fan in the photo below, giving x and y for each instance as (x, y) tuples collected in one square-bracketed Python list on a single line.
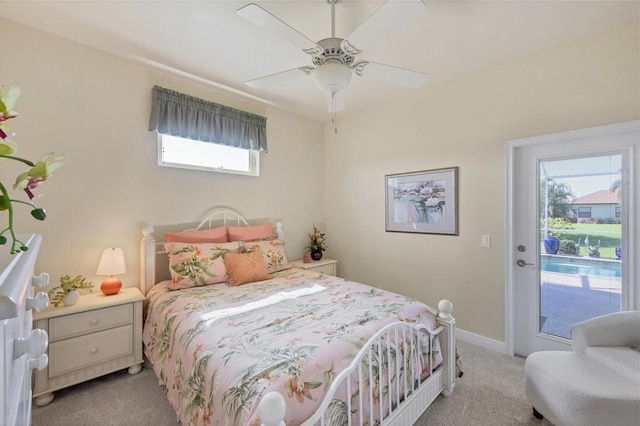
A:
[(334, 59)]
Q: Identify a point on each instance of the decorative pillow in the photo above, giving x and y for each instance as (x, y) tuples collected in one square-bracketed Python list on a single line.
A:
[(250, 233), (245, 267), (273, 253), (193, 265), (216, 235)]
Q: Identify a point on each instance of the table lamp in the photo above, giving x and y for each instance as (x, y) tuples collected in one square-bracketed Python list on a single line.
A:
[(111, 263)]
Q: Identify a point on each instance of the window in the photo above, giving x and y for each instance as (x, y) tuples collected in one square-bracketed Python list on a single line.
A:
[(618, 211), (584, 212), (184, 153)]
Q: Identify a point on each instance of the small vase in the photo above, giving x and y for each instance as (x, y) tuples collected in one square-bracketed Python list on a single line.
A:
[(70, 298), (306, 257), (316, 255)]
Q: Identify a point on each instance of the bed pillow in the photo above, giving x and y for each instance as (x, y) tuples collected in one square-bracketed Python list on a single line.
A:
[(198, 264), (273, 254), (215, 235), (245, 268), (250, 233)]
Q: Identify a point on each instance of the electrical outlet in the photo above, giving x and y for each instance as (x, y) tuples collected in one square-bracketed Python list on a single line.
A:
[(486, 241)]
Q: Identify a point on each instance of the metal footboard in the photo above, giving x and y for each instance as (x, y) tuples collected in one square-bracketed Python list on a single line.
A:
[(391, 380)]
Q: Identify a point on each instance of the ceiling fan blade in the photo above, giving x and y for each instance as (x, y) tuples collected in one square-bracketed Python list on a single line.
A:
[(279, 77), (337, 99), (265, 20), (391, 74), (393, 14)]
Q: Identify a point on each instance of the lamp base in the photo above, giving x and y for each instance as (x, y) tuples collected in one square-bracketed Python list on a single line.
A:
[(111, 285)]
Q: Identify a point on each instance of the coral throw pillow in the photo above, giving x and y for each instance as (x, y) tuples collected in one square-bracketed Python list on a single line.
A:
[(273, 254), (194, 265), (250, 233), (215, 235), (245, 268)]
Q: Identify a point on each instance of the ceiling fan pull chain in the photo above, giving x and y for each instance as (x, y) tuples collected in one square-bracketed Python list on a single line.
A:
[(333, 108)]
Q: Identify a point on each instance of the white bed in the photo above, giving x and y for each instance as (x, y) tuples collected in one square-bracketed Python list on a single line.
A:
[(387, 401)]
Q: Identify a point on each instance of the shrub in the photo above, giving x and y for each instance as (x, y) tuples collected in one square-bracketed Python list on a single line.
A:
[(555, 225), (568, 247)]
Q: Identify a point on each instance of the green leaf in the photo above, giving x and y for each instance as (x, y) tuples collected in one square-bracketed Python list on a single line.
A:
[(4, 202), (3, 240)]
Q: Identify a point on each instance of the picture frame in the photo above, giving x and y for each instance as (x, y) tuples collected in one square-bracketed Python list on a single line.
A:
[(424, 202)]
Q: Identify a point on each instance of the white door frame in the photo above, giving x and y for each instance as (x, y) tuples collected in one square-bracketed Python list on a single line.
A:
[(633, 248)]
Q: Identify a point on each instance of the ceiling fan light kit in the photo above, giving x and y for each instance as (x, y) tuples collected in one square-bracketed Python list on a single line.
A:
[(333, 58), (332, 76)]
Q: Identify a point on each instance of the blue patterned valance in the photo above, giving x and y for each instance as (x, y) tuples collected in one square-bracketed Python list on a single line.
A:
[(177, 114)]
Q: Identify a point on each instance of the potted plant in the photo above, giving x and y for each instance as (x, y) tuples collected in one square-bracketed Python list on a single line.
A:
[(316, 244), (67, 292), (28, 181)]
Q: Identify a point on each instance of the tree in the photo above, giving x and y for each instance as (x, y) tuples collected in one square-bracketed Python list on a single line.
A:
[(559, 197), (617, 186)]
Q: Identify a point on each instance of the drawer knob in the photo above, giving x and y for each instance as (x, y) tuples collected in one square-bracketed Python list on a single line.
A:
[(34, 345), (41, 362), (94, 321), (41, 280), (39, 302), (94, 350)]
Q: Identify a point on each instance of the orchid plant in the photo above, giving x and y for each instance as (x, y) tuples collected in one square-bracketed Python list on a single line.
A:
[(36, 174)]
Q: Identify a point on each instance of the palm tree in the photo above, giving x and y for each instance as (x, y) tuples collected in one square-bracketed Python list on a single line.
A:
[(616, 186), (557, 197)]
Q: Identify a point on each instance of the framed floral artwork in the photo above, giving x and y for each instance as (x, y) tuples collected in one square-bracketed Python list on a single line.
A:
[(423, 202)]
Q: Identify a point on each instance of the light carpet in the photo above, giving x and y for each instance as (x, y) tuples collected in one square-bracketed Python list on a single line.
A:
[(491, 392)]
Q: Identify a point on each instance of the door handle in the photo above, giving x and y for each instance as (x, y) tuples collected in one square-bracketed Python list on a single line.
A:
[(522, 263)]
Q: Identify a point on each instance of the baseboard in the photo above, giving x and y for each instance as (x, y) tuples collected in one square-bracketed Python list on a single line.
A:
[(482, 341)]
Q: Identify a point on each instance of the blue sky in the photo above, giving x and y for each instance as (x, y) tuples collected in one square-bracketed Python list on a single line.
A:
[(585, 175)]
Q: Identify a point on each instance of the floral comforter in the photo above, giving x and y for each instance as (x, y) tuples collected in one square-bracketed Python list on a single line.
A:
[(218, 349)]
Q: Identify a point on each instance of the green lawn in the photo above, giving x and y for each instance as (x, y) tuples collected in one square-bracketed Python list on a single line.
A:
[(609, 236)]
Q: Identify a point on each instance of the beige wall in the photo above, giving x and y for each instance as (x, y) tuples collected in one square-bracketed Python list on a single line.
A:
[(94, 107), (465, 123)]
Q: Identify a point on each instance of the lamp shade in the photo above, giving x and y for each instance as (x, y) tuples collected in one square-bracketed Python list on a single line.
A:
[(112, 262), (332, 76)]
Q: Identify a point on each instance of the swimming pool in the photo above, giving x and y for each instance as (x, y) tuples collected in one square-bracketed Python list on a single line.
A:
[(587, 266)]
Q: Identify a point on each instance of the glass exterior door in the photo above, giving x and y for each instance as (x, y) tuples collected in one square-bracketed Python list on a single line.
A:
[(573, 232), (580, 208)]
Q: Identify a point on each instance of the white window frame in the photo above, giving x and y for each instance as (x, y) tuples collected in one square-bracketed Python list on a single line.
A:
[(254, 161)]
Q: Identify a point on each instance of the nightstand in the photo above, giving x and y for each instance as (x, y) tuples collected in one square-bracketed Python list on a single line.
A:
[(98, 335), (324, 266)]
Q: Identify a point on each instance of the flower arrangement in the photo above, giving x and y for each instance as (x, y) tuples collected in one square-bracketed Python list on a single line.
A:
[(27, 181), (67, 285), (317, 241)]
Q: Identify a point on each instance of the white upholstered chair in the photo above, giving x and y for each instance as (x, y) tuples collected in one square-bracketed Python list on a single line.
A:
[(597, 382)]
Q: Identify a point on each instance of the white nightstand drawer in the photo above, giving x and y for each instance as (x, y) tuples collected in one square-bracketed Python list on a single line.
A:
[(74, 354), (89, 322), (325, 269), (323, 266)]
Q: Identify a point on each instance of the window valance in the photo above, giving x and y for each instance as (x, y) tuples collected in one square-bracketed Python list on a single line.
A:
[(177, 114)]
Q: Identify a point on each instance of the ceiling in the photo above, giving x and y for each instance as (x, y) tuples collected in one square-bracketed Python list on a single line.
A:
[(208, 41)]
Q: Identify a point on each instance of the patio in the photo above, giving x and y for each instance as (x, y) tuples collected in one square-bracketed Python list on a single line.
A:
[(567, 299)]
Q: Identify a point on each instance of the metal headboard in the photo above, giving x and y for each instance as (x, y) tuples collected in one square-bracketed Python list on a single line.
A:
[(153, 260), (223, 214)]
